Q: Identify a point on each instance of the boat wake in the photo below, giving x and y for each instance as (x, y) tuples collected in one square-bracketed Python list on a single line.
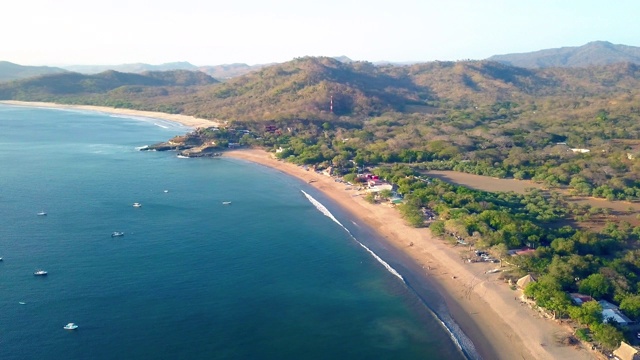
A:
[(455, 333)]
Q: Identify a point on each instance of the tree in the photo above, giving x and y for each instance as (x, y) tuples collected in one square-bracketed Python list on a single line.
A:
[(595, 285), (608, 335), (631, 306), (370, 197), (385, 194), (500, 251), (590, 313)]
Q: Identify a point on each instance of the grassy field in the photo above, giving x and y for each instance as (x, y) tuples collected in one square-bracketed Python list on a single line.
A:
[(619, 210)]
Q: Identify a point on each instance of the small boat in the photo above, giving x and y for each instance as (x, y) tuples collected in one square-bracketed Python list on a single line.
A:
[(117, 233), (70, 326), (166, 191), (22, 303), (42, 213), (40, 273), (0, 259), (137, 205), (226, 202)]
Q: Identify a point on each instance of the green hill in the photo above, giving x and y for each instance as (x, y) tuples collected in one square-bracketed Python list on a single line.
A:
[(304, 88), (75, 87)]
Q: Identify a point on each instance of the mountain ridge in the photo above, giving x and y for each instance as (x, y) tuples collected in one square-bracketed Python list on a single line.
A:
[(592, 53)]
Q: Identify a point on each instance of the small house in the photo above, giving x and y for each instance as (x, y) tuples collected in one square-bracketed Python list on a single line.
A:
[(611, 312), (580, 299)]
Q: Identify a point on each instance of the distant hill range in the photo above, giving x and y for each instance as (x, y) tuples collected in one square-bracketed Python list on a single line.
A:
[(72, 85), (593, 53), (221, 72), (10, 71), (304, 87)]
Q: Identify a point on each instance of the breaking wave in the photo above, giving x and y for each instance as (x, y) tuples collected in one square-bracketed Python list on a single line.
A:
[(328, 214), (457, 335)]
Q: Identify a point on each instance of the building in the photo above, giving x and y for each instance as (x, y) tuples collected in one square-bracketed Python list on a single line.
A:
[(580, 299), (612, 312), (582, 151)]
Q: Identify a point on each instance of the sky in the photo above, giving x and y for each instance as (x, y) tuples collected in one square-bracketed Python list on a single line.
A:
[(90, 32)]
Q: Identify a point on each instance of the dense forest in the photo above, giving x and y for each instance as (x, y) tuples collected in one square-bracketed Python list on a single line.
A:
[(570, 128)]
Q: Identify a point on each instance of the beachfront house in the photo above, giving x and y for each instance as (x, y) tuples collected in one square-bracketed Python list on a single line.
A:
[(580, 299), (611, 312)]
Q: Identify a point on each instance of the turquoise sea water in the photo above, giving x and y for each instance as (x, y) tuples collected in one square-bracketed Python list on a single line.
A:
[(267, 277)]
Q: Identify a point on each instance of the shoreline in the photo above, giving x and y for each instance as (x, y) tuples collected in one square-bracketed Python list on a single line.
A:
[(186, 120), (484, 307)]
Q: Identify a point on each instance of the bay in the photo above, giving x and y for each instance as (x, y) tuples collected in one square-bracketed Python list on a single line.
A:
[(265, 277)]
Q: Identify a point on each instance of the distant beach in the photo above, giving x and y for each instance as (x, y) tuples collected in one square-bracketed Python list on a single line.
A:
[(185, 120), (500, 326)]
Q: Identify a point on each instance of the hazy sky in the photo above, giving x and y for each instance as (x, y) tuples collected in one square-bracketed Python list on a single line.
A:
[(72, 32)]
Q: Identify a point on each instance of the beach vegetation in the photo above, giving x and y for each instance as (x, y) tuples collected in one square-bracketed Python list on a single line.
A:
[(583, 334), (608, 335)]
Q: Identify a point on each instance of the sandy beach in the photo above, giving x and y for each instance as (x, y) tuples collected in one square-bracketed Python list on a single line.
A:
[(185, 120), (487, 310)]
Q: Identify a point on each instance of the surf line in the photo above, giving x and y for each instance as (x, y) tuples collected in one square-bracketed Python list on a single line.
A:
[(328, 214), (460, 339)]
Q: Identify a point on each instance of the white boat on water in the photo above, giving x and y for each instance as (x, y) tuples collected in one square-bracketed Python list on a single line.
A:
[(70, 326), (42, 213), (137, 204), (117, 233), (226, 203), (40, 273)]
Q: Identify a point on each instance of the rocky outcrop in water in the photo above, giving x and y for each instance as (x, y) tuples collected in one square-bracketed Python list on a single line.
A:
[(190, 145)]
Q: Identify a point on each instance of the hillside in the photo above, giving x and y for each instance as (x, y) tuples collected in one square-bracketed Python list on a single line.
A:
[(593, 53), (304, 88), (10, 71), (90, 89), (220, 72), (131, 68)]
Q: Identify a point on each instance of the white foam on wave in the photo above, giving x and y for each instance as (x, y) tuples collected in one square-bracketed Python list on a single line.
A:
[(328, 214), (455, 333), (165, 124)]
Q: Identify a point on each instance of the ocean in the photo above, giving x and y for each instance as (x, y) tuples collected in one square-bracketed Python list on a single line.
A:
[(280, 273)]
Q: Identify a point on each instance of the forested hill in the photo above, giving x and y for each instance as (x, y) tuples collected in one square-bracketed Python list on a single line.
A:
[(74, 87), (305, 87), (593, 53)]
